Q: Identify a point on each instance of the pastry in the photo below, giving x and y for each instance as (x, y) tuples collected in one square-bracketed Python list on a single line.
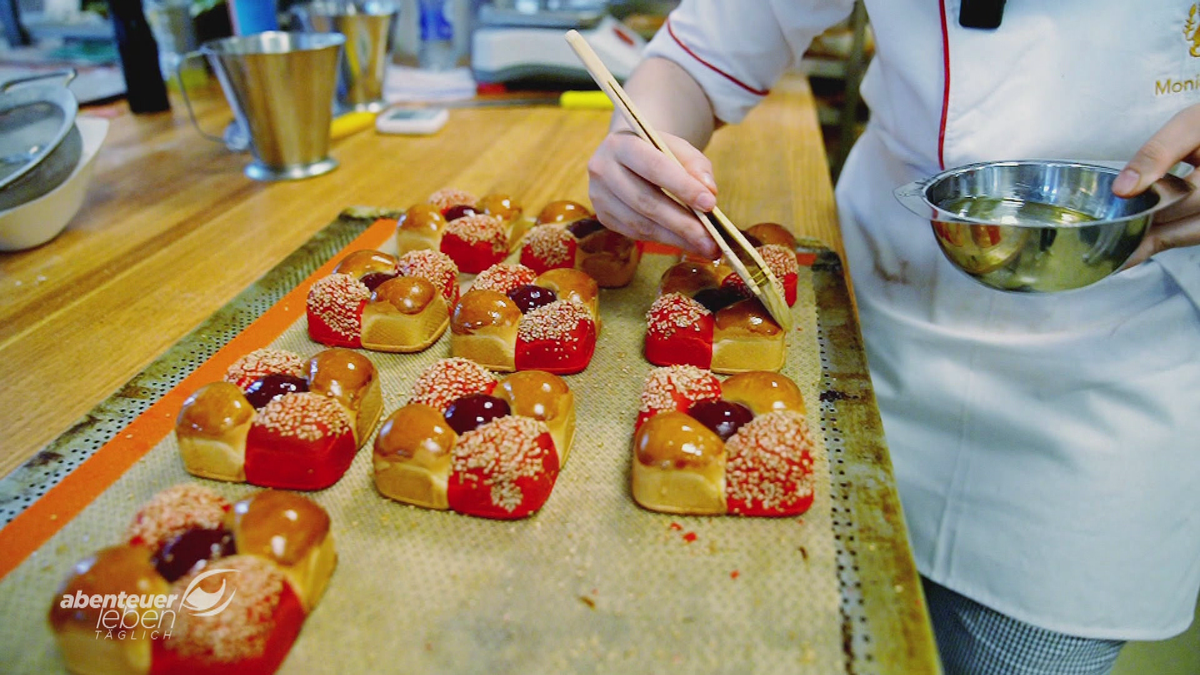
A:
[(198, 586), (475, 232), (705, 447), (515, 319), (280, 421), (705, 316), (377, 301), (608, 257), (473, 444)]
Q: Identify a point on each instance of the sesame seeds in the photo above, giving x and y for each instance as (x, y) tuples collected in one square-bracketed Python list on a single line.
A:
[(503, 451), (336, 299), (306, 416), (450, 379), (241, 630), (556, 321), (447, 197), (434, 266), (781, 261), (176, 510), (503, 277), (770, 464), (262, 362), (664, 386), (551, 245), (673, 312), (480, 228)]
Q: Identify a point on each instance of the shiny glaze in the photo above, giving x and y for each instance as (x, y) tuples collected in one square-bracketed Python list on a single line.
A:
[(214, 409), (534, 393), (500, 205), (113, 570), (423, 218), (478, 309), (747, 317), (562, 211), (366, 261), (773, 233), (412, 429), (763, 392), (341, 373), (278, 525), (571, 284), (676, 440), (687, 278), (409, 295)]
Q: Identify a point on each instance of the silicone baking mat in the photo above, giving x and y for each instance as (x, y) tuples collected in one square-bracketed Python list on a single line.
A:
[(591, 583)]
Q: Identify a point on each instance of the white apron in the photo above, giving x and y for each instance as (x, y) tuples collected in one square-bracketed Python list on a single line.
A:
[(1047, 448)]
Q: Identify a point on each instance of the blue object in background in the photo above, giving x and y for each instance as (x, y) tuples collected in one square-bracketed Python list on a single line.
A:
[(253, 16), (437, 37)]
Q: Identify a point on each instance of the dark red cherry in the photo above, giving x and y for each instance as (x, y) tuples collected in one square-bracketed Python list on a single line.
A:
[(474, 410), (181, 554), (715, 299), (530, 297), (723, 417), (585, 226), (459, 211), (269, 387), (372, 280)]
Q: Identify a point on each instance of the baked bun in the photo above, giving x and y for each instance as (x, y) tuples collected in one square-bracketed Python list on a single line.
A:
[(705, 316), (262, 564), (609, 257), (476, 232), (704, 447), (280, 421), (514, 319), (375, 301), (469, 443)]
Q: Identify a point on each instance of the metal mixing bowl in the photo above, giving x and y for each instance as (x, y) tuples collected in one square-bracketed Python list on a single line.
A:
[(1036, 226)]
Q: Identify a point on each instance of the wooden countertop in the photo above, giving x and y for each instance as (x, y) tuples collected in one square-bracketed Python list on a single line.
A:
[(172, 230)]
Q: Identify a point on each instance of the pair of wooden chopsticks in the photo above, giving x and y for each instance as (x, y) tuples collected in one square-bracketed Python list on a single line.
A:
[(742, 257)]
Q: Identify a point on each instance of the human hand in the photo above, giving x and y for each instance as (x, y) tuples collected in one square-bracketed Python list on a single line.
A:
[(1179, 224), (626, 174)]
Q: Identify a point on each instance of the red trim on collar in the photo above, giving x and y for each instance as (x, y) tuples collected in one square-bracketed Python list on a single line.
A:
[(731, 78), (945, 88)]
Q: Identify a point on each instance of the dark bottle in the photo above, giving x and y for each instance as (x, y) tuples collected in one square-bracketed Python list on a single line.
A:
[(144, 86)]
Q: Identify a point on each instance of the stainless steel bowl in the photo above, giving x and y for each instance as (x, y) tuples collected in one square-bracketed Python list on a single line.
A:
[(1036, 226), (39, 143)]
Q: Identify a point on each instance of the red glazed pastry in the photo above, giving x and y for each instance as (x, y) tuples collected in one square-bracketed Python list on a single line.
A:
[(290, 423), (379, 302), (194, 589), (705, 447), (608, 257), (475, 232), (470, 444), (512, 319), (475, 242)]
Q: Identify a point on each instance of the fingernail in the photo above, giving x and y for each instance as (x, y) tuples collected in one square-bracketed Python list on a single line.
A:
[(709, 182), (706, 202), (1126, 182)]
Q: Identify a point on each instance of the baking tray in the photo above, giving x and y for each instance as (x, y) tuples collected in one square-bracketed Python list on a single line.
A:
[(617, 589)]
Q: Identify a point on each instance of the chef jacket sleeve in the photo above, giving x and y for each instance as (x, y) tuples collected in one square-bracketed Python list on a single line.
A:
[(738, 50)]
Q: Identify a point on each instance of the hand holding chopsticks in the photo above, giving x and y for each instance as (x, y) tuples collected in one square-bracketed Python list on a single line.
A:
[(742, 257)]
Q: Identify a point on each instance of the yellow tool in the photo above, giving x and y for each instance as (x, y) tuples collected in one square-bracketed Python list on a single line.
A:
[(350, 123)]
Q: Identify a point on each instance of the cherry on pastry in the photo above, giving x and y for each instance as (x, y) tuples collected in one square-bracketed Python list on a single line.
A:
[(192, 548), (529, 297), (459, 211), (474, 410), (585, 226), (723, 417), (373, 280), (269, 387), (716, 299)]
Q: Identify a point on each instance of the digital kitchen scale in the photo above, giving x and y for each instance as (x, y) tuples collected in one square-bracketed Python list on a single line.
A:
[(511, 47)]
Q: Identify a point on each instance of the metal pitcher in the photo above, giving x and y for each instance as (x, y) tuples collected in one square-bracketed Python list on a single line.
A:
[(367, 26), (280, 87)]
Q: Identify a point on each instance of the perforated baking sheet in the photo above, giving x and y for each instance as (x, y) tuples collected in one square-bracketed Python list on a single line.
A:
[(592, 583)]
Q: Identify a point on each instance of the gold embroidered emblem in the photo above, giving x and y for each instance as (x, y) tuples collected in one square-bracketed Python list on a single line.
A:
[(1190, 33)]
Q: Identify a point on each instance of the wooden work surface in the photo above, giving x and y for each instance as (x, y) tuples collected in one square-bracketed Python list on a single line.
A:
[(171, 229)]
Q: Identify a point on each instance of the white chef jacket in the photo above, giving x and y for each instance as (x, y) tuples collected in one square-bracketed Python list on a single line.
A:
[(1046, 447)]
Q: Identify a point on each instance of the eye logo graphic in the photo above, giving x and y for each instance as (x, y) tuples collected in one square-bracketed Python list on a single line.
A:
[(1190, 33), (204, 603)]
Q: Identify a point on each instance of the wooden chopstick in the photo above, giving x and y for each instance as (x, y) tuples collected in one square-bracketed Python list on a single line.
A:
[(742, 257)]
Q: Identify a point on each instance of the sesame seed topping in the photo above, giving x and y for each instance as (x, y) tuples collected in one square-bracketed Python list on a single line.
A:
[(557, 321), (434, 266), (262, 362), (176, 510), (450, 379), (336, 299), (673, 312), (445, 198), (549, 244), (480, 228), (504, 450), (304, 415), (781, 261), (665, 386), (770, 462), (503, 277), (242, 629)]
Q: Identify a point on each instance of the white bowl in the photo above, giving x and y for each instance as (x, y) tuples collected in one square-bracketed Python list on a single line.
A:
[(37, 222)]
